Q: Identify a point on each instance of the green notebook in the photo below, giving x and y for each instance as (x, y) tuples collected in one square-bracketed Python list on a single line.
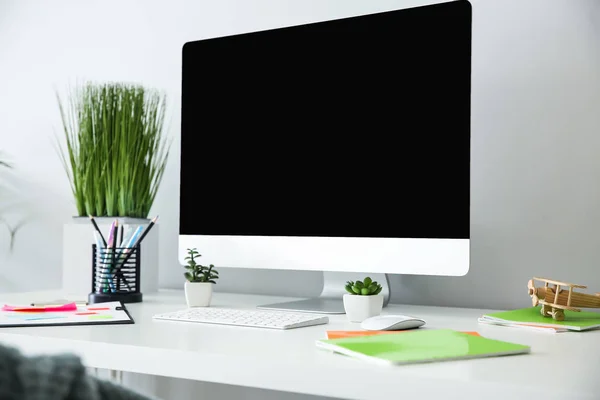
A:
[(575, 321), (420, 346)]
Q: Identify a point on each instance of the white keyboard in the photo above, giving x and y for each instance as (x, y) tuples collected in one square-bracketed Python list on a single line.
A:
[(244, 317)]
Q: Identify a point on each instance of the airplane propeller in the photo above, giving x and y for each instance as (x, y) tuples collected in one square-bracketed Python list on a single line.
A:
[(533, 293)]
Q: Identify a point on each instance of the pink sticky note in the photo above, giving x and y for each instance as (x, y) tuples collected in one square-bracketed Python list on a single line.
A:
[(64, 307)]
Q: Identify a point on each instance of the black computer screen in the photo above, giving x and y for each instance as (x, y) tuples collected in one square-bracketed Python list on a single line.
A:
[(357, 127)]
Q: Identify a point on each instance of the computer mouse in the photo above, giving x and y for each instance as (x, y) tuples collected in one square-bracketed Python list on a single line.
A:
[(391, 323)]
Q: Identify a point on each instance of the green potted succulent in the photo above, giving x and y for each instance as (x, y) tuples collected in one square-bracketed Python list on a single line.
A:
[(363, 300), (199, 280), (114, 151)]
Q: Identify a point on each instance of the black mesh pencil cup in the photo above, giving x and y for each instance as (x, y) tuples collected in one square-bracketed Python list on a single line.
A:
[(115, 275)]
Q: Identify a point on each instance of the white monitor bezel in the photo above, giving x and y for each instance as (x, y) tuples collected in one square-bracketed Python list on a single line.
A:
[(445, 257)]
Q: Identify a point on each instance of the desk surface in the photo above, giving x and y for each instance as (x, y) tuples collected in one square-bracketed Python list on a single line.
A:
[(560, 366)]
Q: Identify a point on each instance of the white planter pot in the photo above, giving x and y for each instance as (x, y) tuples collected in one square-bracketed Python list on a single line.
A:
[(198, 294), (358, 308), (78, 237)]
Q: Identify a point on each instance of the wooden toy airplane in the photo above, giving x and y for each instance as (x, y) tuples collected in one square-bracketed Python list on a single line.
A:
[(555, 300)]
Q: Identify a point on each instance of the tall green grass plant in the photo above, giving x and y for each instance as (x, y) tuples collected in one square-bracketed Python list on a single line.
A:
[(116, 152)]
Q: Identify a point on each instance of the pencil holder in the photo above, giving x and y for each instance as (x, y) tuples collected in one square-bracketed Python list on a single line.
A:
[(115, 275)]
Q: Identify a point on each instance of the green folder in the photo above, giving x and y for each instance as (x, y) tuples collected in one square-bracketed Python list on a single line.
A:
[(420, 346), (575, 321)]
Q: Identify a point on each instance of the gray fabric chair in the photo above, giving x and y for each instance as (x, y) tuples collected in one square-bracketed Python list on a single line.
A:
[(57, 377)]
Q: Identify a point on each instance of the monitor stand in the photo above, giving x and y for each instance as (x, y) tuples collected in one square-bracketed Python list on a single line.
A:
[(330, 300)]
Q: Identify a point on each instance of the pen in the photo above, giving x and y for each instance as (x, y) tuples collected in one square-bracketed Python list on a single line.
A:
[(99, 245), (134, 237), (59, 303)]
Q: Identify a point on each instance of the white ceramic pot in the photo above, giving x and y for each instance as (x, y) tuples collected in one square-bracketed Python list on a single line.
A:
[(358, 308), (198, 294)]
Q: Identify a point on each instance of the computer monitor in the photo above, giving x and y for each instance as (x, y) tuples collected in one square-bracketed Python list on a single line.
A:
[(340, 146)]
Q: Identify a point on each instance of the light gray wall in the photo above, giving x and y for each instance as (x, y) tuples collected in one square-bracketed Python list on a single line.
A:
[(536, 119), (536, 132), (535, 158), (535, 146)]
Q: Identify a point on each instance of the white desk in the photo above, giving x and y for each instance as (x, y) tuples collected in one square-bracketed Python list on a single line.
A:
[(561, 366)]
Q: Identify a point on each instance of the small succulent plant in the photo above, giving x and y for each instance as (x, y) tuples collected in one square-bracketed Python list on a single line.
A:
[(366, 287), (197, 272)]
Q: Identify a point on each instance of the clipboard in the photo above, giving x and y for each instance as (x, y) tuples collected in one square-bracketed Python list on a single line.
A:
[(72, 314)]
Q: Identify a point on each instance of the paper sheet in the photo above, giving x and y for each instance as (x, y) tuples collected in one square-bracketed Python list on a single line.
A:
[(101, 313)]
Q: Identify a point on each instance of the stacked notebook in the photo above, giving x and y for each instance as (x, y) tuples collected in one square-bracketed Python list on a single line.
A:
[(532, 319), (420, 346)]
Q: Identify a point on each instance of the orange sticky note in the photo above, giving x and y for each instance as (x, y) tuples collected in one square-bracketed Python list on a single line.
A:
[(346, 334)]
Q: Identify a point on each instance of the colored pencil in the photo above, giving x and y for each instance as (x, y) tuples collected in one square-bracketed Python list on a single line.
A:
[(121, 229), (101, 252), (113, 250), (110, 247), (138, 241), (126, 248), (98, 229)]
